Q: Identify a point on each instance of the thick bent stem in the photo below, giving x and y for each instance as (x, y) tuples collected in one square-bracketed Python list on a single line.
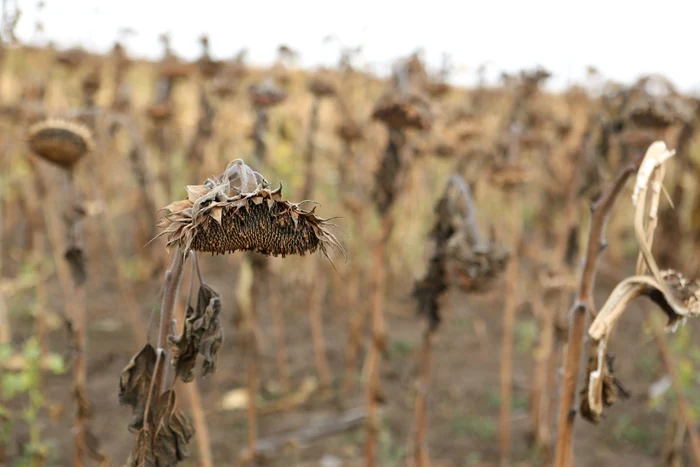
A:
[(171, 287), (582, 307)]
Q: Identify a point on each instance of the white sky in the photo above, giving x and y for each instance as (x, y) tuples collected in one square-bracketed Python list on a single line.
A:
[(622, 38)]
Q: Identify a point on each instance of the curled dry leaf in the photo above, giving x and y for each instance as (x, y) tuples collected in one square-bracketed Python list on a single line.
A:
[(135, 382), (256, 219), (603, 388), (201, 334), (163, 442)]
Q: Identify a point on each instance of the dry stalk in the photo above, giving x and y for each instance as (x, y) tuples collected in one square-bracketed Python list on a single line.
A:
[(263, 96), (506, 371), (64, 143), (546, 355), (421, 454), (316, 293), (205, 129), (378, 341), (457, 239), (282, 357), (583, 307)]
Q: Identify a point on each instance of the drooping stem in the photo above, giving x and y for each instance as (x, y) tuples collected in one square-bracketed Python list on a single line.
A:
[(171, 288), (582, 307)]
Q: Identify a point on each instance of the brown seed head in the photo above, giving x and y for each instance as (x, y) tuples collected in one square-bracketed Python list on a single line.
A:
[(260, 221), (321, 86), (402, 111), (266, 94), (349, 131), (62, 142)]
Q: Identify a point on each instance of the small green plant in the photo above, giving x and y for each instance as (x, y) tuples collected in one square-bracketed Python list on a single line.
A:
[(478, 426), (25, 383)]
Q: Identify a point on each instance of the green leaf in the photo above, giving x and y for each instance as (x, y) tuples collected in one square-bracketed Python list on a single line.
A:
[(12, 384), (32, 351), (5, 352), (56, 364)]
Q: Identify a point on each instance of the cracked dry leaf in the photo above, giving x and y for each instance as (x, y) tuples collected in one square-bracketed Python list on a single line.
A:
[(201, 334), (135, 382), (165, 443)]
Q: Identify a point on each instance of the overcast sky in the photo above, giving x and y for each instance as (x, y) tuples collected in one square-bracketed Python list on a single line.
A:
[(623, 38)]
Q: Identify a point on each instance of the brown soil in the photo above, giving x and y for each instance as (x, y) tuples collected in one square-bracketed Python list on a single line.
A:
[(463, 403)]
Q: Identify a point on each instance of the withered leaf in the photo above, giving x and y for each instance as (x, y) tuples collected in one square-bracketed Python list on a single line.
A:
[(135, 382), (212, 335), (201, 334), (183, 348), (165, 443)]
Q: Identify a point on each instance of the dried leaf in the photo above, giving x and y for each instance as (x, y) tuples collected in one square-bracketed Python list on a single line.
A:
[(165, 444), (135, 382), (201, 334), (212, 335)]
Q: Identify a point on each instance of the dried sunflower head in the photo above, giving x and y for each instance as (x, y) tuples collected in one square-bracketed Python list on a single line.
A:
[(62, 142), (321, 85), (266, 94), (211, 220), (654, 103), (349, 131), (403, 110)]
